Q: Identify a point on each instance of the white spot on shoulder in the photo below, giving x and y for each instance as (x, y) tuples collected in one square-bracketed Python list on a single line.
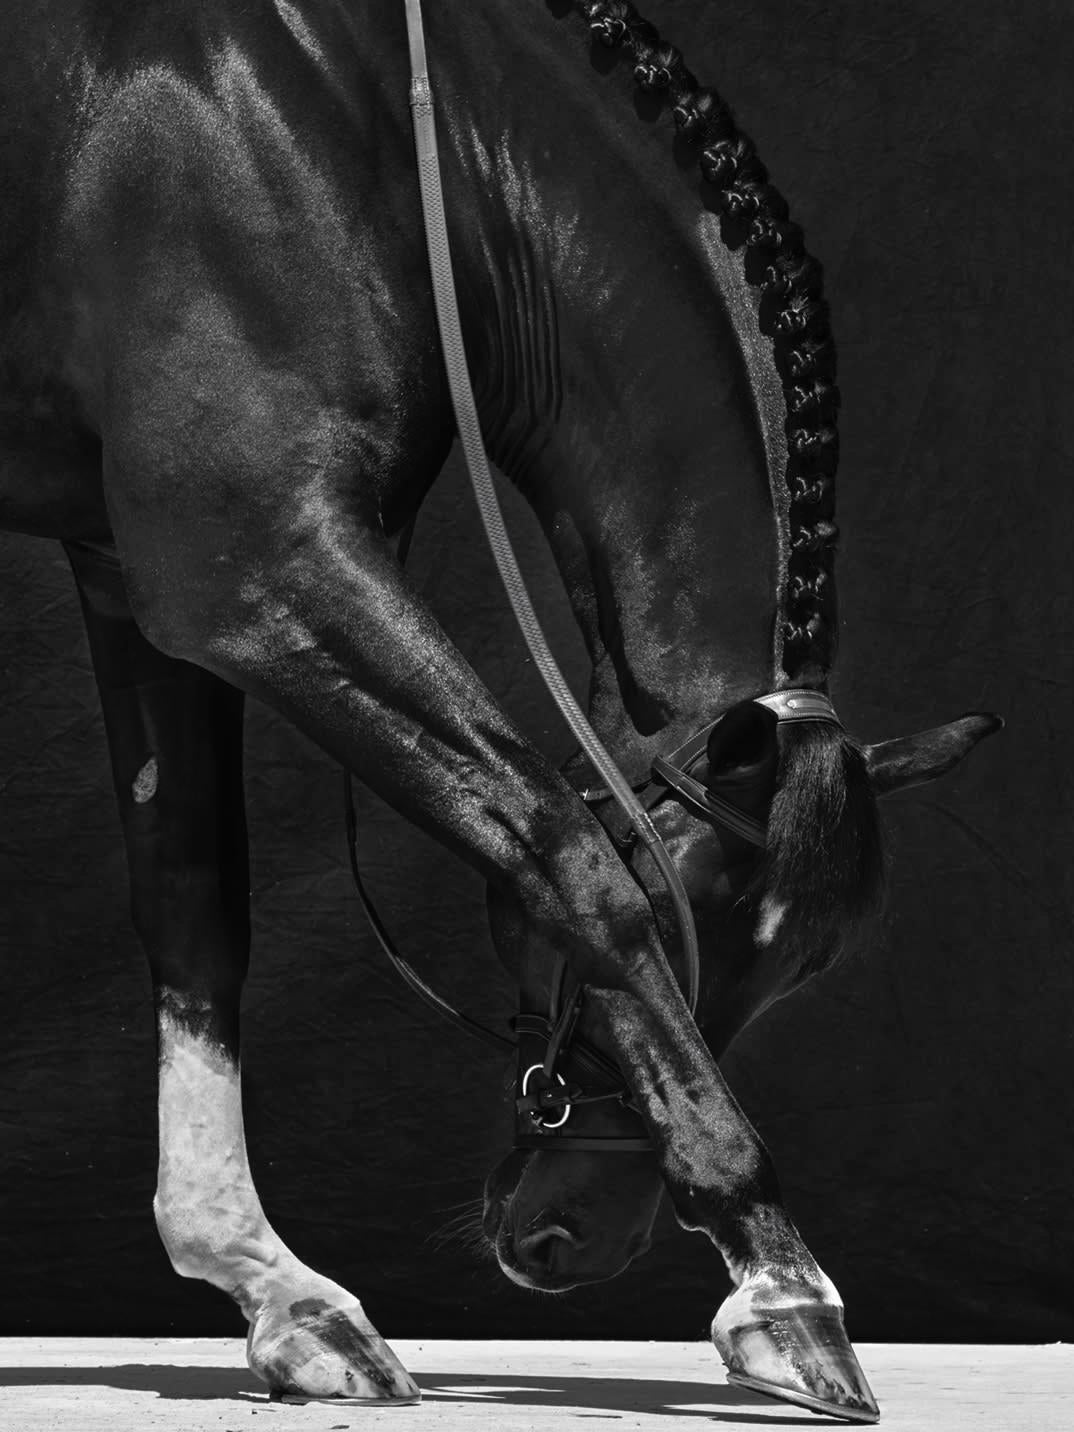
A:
[(769, 919), (145, 782)]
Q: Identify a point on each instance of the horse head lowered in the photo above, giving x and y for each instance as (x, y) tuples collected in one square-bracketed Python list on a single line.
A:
[(575, 1201)]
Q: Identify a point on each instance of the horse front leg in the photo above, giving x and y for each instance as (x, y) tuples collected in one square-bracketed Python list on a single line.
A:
[(780, 1331), (175, 737), (330, 633), (568, 1215)]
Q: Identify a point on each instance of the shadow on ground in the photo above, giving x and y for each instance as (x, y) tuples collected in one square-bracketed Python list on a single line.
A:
[(596, 1397), (613, 1396), (186, 1384)]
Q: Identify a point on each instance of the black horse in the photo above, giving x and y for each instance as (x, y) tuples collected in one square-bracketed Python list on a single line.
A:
[(222, 390)]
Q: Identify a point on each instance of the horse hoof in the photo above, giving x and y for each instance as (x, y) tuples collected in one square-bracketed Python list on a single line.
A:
[(301, 1400), (798, 1354), (315, 1352)]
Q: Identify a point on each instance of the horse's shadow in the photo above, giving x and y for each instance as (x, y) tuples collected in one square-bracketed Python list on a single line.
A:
[(600, 1397), (595, 1397)]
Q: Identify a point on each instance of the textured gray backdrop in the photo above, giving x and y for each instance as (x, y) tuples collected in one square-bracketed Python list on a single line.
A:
[(918, 1100)]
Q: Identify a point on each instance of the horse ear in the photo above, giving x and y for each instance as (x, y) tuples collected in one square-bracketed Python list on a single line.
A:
[(743, 745), (913, 760)]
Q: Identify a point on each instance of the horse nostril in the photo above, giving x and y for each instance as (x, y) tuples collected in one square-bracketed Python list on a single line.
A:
[(547, 1249)]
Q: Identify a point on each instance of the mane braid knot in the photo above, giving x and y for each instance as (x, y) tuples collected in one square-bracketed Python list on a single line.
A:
[(793, 315)]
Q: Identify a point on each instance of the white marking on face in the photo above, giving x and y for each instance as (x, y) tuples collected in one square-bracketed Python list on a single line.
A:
[(769, 919), (145, 782)]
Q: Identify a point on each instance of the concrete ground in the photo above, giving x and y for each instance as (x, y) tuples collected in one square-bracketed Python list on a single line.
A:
[(203, 1385)]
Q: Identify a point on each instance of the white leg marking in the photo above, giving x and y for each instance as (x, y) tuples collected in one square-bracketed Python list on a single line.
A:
[(144, 786), (309, 1338), (207, 1208)]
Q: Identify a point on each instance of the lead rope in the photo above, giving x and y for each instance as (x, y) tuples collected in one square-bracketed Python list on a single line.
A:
[(469, 428)]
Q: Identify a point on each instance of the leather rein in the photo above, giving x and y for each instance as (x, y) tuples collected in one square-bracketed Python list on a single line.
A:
[(558, 1071)]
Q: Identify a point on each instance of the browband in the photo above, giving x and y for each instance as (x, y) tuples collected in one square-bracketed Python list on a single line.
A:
[(671, 772), (794, 705), (800, 704)]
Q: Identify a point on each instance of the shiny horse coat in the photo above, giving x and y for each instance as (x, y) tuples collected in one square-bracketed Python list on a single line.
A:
[(221, 388)]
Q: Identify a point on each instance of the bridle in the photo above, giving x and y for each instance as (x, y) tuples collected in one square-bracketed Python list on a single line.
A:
[(558, 1071), (670, 774), (592, 1078)]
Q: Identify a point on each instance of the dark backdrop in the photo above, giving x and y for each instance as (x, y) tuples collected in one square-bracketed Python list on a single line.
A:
[(918, 1100)]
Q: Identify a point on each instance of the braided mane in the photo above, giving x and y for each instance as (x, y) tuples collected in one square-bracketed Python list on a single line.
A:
[(825, 855), (792, 312)]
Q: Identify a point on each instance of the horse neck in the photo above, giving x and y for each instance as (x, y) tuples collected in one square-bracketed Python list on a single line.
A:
[(623, 385)]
